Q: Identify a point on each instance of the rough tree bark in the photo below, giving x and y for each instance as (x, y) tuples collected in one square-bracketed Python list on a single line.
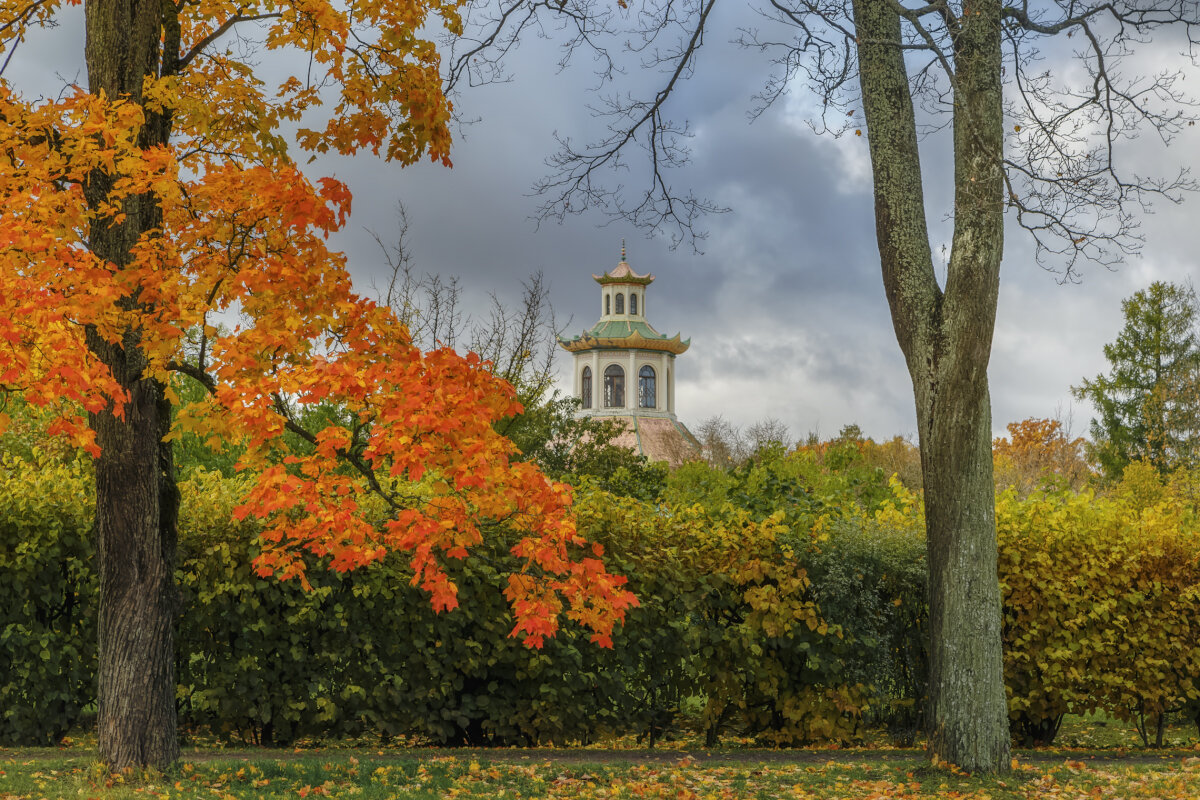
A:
[(136, 496), (946, 337)]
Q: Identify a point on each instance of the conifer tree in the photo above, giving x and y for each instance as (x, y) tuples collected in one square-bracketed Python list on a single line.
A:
[(1148, 404)]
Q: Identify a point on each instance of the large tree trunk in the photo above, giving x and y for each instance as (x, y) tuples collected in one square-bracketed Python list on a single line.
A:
[(968, 715), (136, 496), (946, 338), (136, 505)]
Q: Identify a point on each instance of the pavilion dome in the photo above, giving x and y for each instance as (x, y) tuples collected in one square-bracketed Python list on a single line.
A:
[(624, 369)]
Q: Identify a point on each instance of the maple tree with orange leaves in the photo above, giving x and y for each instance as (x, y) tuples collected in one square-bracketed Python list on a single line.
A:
[(157, 227), (1037, 451)]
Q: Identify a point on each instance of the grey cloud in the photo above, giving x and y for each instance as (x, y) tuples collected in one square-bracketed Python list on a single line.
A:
[(785, 307)]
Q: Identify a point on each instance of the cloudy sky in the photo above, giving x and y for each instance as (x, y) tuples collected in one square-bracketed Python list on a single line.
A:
[(785, 306)]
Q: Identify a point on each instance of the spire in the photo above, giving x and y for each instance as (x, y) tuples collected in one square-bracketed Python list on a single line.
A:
[(622, 248)]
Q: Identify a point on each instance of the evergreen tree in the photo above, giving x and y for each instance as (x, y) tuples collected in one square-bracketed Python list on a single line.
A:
[(1148, 405)]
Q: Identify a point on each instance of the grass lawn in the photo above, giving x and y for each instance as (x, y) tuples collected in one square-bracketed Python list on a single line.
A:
[(1095, 758), (511, 774), (1100, 731)]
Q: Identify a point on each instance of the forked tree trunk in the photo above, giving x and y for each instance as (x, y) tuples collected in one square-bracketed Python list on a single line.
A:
[(946, 337), (136, 496)]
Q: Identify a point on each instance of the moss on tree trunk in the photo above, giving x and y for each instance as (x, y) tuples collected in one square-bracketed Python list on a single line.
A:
[(946, 335)]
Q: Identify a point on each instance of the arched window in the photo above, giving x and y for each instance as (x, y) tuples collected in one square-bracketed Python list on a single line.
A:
[(620, 303), (633, 304), (585, 389), (646, 390), (614, 386), (607, 304)]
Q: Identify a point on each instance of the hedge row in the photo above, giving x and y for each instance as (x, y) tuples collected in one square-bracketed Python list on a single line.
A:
[(726, 620), (1102, 603), (727, 628), (792, 620)]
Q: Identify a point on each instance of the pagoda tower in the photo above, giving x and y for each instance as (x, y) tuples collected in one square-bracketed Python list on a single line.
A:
[(624, 369)]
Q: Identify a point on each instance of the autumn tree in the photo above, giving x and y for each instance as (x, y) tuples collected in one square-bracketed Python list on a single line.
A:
[(162, 200), (1037, 451), (897, 456), (1043, 146), (1148, 405)]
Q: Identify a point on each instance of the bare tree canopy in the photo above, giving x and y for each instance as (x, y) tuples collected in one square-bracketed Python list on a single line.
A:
[(1064, 129)]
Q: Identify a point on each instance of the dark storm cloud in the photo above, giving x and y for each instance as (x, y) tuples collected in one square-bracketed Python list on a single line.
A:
[(785, 307)]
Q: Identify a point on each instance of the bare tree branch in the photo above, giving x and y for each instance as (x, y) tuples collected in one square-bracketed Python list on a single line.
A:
[(574, 187), (220, 31), (1062, 158)]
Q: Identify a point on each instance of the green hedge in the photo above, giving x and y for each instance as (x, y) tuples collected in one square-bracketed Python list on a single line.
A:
[(265, 661), (365, 652), (869, 577), (47, 595), (727, 623), (1102, 603), (791, 622)]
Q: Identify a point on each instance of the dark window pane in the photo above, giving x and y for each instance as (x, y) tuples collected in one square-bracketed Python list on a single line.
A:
[(614, 387), (647, 396)]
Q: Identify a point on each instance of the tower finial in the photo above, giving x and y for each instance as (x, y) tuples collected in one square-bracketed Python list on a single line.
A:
[(622, 249)]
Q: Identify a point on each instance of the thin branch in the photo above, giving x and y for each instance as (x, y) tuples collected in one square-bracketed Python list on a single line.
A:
[(221, 30)]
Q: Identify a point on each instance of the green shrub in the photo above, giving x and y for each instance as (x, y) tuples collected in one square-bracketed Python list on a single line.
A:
[(772, 603), (268, 662), (258, 658), (47, 600), (869, 581)]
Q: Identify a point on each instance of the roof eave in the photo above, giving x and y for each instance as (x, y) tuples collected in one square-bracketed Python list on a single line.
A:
[(637, 280)]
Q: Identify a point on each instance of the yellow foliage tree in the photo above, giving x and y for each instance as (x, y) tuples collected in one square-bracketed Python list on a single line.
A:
[(1037, 451)]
